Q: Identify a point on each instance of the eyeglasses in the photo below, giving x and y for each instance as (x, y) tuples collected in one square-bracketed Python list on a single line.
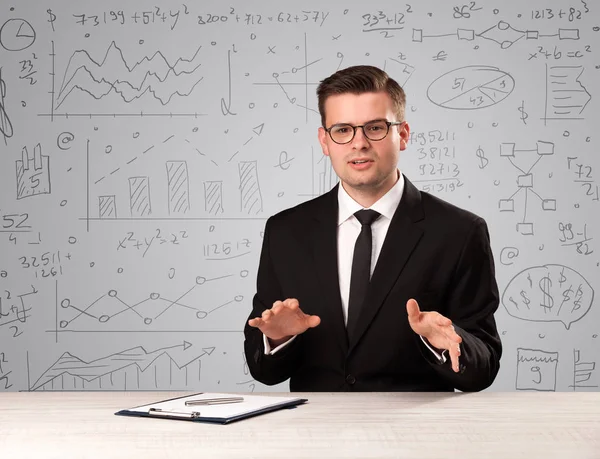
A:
[(373, 130)]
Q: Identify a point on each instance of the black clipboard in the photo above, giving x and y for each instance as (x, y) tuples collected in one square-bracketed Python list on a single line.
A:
[(253, 405)]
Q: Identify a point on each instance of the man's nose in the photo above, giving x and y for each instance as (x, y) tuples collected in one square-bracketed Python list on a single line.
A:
[(360, 141)]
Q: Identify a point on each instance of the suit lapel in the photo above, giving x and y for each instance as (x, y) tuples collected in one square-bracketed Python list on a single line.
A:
[(401, 240), (324, 238)]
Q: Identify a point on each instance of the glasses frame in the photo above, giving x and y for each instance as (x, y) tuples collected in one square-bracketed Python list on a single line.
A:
[(362, 126)]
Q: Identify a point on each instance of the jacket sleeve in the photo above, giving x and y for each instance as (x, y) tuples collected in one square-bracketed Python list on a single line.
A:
[(276, 368), (471, 301)]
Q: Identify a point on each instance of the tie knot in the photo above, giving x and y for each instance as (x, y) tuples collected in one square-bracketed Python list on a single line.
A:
[(367, 216)]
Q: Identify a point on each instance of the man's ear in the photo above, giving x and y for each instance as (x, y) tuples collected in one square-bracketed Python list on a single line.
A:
[(323, 141), (404, 132)]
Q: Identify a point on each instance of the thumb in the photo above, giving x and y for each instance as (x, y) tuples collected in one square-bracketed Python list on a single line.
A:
[(412, 307), (313, 321)]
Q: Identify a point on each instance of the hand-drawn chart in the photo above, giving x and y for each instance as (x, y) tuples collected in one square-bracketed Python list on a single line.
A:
[(525, 181), (501, 33), (566, 96), (471, 88), (550, 293), (17, 35), (176, 367)]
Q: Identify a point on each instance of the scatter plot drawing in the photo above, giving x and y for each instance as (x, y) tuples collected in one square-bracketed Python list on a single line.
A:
[(566, 96), (170, 368), (536, 370), (549, 293), (471, 88), (153, 76), (525, 181), (33, 174)]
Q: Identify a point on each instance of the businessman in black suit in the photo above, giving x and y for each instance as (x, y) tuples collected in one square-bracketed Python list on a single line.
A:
[(375, 285)]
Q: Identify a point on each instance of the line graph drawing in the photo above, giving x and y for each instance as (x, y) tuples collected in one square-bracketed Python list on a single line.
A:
[(110, 306), (566, 96), (471, 88), (167, 368), (526, 182), (501, 33), (154, 76)]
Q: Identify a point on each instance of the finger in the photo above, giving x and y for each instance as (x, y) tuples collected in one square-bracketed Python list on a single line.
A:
[(278, 304), (412, 307), (266, 314), (292, 303), (256, 322), (454, 355), (313, 321), (452, 335), (443, 321)]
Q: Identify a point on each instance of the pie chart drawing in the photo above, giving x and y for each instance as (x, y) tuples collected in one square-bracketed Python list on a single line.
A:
[(471, 88), (16, 35)]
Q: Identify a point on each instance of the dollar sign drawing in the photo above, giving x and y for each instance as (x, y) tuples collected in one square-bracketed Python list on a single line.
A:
[(481, 155), (566, 294), (545, 284), (52, 18), (525, 299), (562, 277), (524, 114), (577, 302)]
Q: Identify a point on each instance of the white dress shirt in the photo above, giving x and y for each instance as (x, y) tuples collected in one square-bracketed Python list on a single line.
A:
[(347, 232)]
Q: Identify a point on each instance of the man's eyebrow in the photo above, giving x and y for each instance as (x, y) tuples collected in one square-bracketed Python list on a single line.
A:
[(366, 122)]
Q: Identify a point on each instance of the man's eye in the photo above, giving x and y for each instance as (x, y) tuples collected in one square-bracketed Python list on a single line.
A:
[(341, 130), (375, 128)]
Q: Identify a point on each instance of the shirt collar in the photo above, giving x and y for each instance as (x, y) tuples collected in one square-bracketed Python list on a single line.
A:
[(386, 205)]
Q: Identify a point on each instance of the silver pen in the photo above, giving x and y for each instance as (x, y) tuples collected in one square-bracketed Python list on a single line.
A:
[(214, 401)]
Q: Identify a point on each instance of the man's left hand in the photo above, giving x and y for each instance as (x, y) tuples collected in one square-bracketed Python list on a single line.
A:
[(436, 329)]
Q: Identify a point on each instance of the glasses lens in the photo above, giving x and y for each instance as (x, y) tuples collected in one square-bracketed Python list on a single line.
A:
[(342, 133), (376, 130)]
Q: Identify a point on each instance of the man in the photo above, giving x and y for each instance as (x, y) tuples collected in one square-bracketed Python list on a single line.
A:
[(401, 302)]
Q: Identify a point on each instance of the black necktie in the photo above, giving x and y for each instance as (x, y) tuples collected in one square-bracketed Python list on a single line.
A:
[(361, 267)]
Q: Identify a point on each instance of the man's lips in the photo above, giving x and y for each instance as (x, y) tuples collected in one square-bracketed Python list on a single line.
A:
[(360, 160)]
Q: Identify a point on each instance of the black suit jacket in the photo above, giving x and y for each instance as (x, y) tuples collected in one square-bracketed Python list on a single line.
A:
[(434, 252)]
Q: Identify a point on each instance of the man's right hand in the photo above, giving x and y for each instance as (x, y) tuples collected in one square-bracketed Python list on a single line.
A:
[(284, 320)]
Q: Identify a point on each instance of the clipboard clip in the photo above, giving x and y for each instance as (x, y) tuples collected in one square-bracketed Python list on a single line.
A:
[(179, 414)]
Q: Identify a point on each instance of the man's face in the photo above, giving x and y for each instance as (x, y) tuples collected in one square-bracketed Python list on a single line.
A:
[(378, 174)]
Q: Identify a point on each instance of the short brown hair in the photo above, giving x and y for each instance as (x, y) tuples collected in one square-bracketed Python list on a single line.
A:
[(357, 80)]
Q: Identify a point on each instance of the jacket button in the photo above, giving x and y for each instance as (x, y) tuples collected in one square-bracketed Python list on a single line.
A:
[(350, 379)]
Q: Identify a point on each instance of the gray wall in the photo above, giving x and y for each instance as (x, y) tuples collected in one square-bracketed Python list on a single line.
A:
[(143, 148)]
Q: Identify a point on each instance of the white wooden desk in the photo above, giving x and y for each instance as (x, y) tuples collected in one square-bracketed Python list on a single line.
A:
[(421, 425)]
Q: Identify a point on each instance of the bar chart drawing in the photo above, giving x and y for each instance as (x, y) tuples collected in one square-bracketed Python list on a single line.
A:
[(213, 197), (179, 189), (250, 197), (139, 197)]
